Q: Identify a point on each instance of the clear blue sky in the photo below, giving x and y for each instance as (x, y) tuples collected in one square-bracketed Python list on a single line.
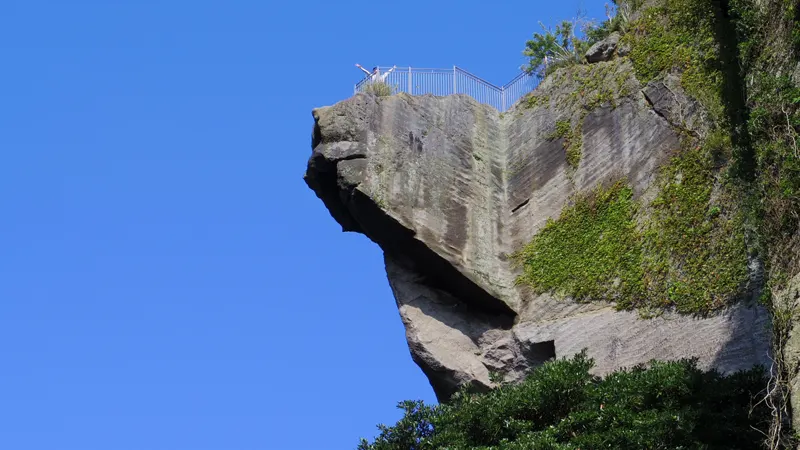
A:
[(167, 280)]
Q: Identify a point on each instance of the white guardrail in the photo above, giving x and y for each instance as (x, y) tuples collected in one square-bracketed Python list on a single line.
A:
[(440, 82)]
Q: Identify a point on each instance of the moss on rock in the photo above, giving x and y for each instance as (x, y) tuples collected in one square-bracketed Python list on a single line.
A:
[(592, 251), (683, 251)]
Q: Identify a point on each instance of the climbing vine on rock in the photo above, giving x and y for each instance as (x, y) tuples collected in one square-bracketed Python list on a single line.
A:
[(573, 140), (593, 251), (689, 254)]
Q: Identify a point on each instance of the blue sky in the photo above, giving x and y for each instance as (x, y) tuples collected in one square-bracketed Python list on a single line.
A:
[(167, 280)]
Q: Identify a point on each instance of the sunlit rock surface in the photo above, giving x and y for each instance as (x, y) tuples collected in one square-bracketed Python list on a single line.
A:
[(450, 188)]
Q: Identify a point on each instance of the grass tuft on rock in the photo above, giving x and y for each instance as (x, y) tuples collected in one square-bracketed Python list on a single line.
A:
[(379, 89), (573, 141)]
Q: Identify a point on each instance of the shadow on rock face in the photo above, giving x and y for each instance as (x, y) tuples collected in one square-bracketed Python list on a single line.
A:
[(448, 189), (454, 343)]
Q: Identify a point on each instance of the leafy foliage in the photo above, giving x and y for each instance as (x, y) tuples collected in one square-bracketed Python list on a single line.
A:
[(557, 48), (560, 405), (694, 242), (592, 251), (568, 43), (769, 39), (688, 254), (619, 14)]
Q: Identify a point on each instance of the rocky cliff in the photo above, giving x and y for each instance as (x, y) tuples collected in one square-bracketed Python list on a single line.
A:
[(454, 192)]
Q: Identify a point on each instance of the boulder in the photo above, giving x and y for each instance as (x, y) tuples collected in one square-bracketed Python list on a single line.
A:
[(603, 50)]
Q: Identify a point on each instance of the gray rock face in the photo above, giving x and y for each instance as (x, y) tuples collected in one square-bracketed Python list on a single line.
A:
[(449, 188), (669, 100), (603, 50)]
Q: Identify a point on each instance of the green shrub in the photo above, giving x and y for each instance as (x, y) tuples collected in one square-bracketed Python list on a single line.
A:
[(379, 88), (555, 48), (568, 43), (560, 405)]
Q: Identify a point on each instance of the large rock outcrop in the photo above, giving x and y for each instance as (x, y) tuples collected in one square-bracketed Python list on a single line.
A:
[(450, 188)]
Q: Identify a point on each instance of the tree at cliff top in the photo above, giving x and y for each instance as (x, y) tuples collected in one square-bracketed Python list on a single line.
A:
[(568, 43), (561, 406), (558, 48), (740, 61)]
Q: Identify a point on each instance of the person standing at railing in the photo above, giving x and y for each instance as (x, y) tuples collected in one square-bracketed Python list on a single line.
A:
[(376, 75)]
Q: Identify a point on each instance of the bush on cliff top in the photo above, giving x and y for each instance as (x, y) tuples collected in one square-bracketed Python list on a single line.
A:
[(670, 405), (380, 89), (568, 43)]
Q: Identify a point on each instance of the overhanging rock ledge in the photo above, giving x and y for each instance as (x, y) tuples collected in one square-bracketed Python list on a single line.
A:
[(449, 188)]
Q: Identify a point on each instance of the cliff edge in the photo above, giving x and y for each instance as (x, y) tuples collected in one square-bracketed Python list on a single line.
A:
[(465, 203)]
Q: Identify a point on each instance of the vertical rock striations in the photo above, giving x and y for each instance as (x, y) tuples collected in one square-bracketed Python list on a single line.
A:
[(450, 189)]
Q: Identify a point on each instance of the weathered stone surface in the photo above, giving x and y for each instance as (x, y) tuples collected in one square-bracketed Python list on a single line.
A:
[(453, 343), (449, 188), (730, 341), (623, 49), (603, 50), (669, 100)]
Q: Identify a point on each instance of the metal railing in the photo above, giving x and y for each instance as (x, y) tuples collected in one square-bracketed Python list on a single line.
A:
[(440, 82)]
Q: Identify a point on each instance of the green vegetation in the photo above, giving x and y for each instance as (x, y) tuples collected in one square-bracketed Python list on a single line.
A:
[(679, 36), (584, 88), (619, 13), (379, 88), (568, 43), (592, 251), (598, 84), (573, 141), (768, 51), (694, 240), (768, 37), (558, 48), (560, 405), (688, 253), (535, 100)]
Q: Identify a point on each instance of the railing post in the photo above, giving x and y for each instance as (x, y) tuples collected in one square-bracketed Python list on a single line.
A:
[(434, 81)]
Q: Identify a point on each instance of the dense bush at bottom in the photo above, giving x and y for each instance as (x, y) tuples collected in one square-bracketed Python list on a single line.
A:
[(666, 405)]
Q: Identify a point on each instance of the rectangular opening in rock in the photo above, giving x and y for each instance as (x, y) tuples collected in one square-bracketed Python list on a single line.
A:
[(540, 352)]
